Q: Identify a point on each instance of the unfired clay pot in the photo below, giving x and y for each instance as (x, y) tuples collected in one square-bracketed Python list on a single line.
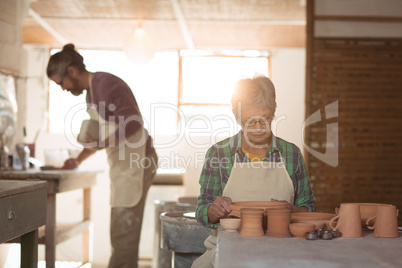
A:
[(311, 216), (348, 220), (318, 224), (367, 210), (236, 206), (251, 222), (278, 221), (386, 222)]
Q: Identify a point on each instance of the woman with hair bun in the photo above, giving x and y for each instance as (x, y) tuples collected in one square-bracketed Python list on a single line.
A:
[(132, 158)]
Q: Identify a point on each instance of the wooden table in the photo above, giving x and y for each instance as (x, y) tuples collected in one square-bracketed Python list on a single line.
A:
[(234, 251), (59, 181), (23, 211)]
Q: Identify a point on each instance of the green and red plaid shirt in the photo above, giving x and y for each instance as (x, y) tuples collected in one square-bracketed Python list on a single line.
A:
[(219, 161)]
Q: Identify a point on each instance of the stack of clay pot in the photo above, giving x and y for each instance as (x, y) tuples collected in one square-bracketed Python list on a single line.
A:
[(278, 220), (251, 222), (264, 205)]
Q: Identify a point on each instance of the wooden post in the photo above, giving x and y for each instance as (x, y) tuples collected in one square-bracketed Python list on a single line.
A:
[(86, 236)]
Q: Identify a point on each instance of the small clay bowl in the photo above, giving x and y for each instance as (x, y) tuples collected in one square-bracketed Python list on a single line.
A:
[(230, 224), (299, 229)]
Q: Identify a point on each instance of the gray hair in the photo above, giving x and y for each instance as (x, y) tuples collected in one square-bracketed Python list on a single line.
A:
[(257, 92)]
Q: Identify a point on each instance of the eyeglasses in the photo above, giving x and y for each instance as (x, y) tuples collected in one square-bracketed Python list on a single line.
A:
[(252, 123)]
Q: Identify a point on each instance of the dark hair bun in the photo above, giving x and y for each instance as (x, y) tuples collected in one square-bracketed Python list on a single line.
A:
[(69, 47)]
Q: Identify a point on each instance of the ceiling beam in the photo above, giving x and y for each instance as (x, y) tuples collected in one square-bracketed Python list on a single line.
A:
[(182, 24), (46, 26), (220, 21)]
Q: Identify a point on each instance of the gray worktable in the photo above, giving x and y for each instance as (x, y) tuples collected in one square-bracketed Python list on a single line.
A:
[(22, 212), (234, 251), (60, 181)]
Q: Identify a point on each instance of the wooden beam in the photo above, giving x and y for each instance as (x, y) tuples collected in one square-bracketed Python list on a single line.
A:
[(309, 54), (182, 23), (45, 25)]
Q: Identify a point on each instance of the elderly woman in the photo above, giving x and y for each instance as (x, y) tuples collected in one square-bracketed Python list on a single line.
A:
[(253, 165)]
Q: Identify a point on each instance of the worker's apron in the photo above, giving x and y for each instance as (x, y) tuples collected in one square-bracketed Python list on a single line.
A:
[(125, 159), (251, 181)]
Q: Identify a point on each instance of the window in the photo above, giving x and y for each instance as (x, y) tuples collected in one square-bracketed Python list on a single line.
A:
[(178, 92), (154, 83), (207, 82)]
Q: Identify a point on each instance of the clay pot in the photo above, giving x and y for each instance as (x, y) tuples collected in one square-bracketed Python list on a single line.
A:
[(278, 221), (236, 206), (230, 224), (300, 229), (311, 216), (386, 222), (318, 224), (251, 222), (367, 210), (348, 220)]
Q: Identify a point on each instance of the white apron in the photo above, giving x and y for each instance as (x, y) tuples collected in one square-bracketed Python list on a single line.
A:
[(259, 181), (125, 160), (250, 181)]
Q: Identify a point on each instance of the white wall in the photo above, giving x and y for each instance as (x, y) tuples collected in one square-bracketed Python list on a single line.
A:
[(364, 8), (288, 75), (12, 57)]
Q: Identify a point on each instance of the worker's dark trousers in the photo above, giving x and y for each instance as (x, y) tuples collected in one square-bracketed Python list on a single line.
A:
[(125, 225)]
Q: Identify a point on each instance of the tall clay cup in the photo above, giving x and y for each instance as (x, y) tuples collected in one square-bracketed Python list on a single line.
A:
[(278, 221), (386, 222), (348, 220), (251, 222)]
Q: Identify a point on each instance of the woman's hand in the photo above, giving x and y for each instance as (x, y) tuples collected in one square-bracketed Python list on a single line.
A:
[(219, 208)]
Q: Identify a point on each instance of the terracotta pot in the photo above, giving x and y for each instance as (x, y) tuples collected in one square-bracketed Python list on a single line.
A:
[(300, 229), (236, 206), (278, 221), (386, 222), (348, 222), (318, 224), (251, 222), (230, 224), (367, 210), (311, 216)]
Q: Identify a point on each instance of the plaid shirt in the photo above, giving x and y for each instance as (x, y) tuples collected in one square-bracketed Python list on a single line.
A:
[(219, 161)]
